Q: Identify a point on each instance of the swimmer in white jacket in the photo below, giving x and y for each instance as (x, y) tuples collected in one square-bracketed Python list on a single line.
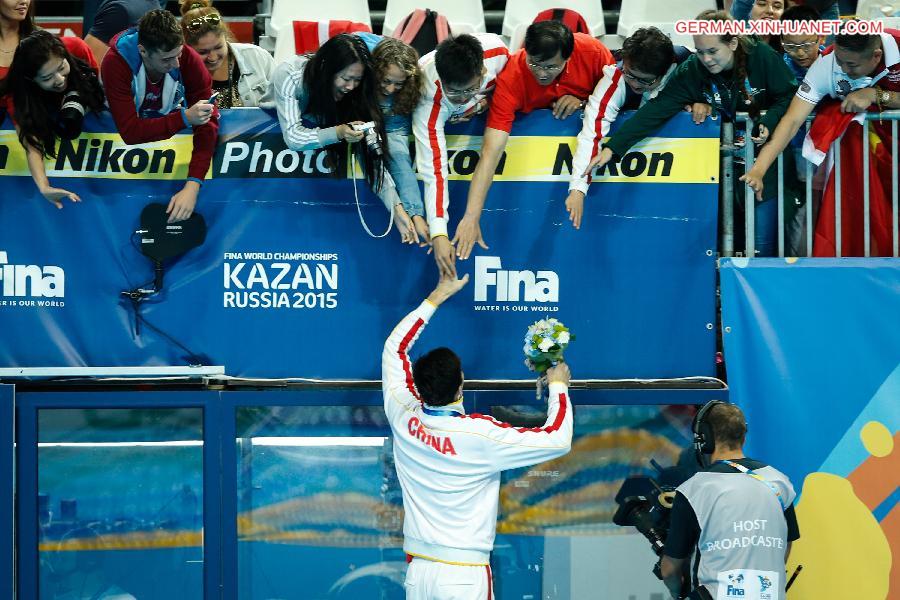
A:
[(449, 463)]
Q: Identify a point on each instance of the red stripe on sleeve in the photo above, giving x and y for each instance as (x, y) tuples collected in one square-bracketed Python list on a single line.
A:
[(436, 152), (490, 582), (404, 357), (604, 103), (501, 51), (557, 422)]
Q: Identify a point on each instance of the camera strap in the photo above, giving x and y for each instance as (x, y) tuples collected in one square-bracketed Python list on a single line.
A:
[(758, 477), (356, 197)]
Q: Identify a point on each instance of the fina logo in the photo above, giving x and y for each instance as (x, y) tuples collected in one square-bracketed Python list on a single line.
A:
[(31, 280), (733, 589), (542, 286)]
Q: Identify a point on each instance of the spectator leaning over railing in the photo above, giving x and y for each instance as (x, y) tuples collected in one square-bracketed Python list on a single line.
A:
[(51, 84), (556, 69), (646, 62), (240, 72), (156, 86), (861, 73), (16, 21), (460, 75), (320, 97), (800, 52), (399, 88), (732, 74), (112, 17)]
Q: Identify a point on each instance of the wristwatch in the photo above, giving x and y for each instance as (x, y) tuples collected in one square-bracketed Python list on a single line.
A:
[(882, 97)]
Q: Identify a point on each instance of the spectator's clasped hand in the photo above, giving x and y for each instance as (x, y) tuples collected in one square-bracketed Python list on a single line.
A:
[(347, 134), (762, 137), (603, 157), (200, 113), (444, 255), (182, 204), (413, 230), (479, 107), (859, 100), (566, 106), (699, 111)]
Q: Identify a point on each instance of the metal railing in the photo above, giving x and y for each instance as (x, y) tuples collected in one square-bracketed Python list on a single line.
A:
[(747, 151)]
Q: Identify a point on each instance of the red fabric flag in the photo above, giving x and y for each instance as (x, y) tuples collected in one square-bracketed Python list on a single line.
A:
[(310, 35), (829, 124)]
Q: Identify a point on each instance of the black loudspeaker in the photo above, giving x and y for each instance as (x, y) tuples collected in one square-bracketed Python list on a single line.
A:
[(161, 240), (704, 439)]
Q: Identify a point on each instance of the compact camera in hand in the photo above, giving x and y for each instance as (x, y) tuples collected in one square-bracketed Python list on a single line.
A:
[(372, 141)]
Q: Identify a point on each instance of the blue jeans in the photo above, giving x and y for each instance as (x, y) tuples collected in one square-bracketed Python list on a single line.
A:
[(401, 169), (765, 228)]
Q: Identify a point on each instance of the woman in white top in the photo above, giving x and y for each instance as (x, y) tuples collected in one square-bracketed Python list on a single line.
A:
[(320, 97), (240, 72)]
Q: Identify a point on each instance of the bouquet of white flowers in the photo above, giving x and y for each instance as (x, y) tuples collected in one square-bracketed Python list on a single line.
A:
[(545, 342)]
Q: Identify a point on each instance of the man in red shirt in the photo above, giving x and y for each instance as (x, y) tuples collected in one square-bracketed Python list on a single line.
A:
[(556, 69), (151, 76)]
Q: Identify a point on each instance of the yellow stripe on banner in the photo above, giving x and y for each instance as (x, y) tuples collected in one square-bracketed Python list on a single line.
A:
[(549, 158), (105, 156)]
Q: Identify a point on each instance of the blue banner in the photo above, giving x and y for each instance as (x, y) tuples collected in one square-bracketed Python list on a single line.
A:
[(288, 284), (813, 354), (7, 481)]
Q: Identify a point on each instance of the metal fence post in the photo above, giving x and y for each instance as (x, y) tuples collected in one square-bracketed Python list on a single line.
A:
[(838, 233), (867, 250), (728, 189), (749, 196)]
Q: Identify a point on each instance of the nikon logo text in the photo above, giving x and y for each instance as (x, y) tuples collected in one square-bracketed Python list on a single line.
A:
[(512, 286), (104, 156), (31, 281)]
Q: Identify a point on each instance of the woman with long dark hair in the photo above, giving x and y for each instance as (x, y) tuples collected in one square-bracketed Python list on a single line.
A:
[(320, 97), (47, 92), (16, 22), (731, 74)]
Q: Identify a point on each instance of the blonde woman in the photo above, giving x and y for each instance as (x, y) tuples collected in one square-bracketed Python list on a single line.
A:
[(240, 72), (398, 90)]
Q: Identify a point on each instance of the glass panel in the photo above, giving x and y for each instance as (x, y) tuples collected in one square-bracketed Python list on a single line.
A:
[(120, 503), (318, 495), (556, 538)]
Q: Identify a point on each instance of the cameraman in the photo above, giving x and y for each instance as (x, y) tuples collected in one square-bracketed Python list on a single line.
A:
[(737, 512)]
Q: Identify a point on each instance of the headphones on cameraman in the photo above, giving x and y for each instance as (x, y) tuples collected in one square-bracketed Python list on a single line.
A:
[(704, 438)]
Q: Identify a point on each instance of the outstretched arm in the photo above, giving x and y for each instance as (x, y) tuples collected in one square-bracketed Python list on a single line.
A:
[(39, 174), (512, 447), (468, 232), (787, 128), (599, 114), (396, 369)]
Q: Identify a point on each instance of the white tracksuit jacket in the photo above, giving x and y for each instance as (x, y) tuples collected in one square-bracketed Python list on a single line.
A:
[(449, 463), (600, 113), (428, 120)]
